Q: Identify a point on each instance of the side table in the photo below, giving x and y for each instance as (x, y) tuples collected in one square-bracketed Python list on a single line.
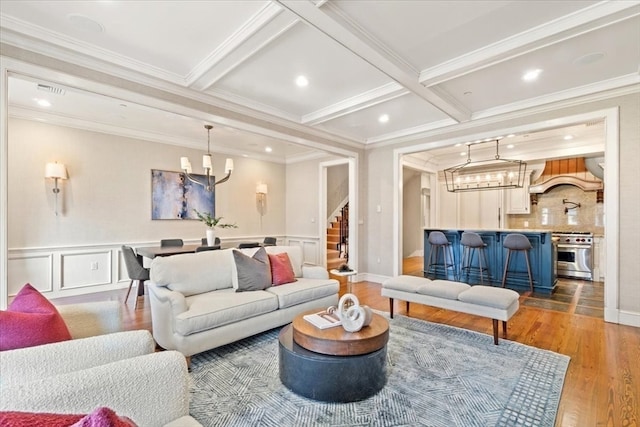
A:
[(333, 365), (347, 274)]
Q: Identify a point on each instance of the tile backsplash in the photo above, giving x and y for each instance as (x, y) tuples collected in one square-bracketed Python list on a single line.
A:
[(550, 213)]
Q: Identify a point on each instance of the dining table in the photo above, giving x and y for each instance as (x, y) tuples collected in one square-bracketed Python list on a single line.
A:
[(154, 251)]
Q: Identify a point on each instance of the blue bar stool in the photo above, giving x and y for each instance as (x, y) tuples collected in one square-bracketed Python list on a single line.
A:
[(439, 242), (472, 243), (517, 243)]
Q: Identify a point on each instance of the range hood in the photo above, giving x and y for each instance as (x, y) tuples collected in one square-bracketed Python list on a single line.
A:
[(566, 172)]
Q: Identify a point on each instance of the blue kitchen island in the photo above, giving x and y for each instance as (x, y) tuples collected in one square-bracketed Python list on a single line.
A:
[(542, 256)]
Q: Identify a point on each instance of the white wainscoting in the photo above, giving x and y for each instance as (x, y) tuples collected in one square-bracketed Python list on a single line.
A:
[(65, 271), (33, 268), (310, 251), (77, 270)]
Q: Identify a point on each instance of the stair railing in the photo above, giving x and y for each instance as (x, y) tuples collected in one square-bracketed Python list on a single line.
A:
[(343, 245)]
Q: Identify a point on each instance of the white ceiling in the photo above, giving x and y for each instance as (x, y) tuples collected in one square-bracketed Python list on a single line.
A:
[(428, 65)]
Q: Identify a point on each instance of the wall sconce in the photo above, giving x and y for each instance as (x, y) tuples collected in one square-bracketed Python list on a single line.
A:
[(55, 171), (261, 199)]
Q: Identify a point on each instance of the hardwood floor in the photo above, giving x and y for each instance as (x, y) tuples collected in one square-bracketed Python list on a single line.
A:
[(602, 386)]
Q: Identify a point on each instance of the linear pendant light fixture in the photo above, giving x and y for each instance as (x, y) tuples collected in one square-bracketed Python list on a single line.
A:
[(207, 164), (490, 174)]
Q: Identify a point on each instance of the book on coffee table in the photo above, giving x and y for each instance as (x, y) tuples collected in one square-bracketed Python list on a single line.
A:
[(323, 320)]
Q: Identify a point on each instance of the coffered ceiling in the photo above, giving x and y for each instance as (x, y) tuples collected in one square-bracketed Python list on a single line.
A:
[(425, 66)]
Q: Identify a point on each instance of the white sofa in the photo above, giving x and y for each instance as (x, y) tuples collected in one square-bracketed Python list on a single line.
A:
[(195, 306), (119, 370)]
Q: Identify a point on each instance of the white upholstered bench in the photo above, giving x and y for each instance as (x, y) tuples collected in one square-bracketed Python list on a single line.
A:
[(486, 301)]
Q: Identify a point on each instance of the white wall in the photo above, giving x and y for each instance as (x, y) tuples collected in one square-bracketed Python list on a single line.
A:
[(337, 187), (412, 234), (106, 202)]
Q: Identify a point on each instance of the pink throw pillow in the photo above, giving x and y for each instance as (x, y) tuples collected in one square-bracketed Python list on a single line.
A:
[(29, 419), (104, 417), (281, 269), (100, 417), (31, 320)]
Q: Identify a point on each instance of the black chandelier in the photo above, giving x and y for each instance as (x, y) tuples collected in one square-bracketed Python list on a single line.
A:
[(490, 174)]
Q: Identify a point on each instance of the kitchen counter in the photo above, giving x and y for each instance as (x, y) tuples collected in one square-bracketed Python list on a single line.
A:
[(542, 257)]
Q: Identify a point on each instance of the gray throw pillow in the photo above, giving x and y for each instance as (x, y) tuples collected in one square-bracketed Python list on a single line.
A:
[(254, 273)]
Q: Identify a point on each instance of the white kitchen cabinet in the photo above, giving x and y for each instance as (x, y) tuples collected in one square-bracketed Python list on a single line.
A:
[(517, 200), (447, 207), (599, 259), (470, 210)]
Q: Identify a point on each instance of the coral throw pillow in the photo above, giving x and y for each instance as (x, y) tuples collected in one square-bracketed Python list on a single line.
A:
[(31, 320), (101, 417), (281, 269)]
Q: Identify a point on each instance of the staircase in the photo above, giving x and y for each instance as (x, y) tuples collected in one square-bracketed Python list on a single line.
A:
[(338, 240)]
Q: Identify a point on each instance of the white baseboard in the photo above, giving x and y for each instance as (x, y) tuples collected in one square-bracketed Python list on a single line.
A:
[(629, 318), (622, 317), (369, 277)]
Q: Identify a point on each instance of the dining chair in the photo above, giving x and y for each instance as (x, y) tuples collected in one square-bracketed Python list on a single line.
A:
[(207, 248), (135, 270), (269, 241), (171, 242), (248, 245), (215, 242)]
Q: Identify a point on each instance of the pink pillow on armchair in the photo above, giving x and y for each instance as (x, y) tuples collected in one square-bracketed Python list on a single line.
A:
[(100, 417), (31, 320)]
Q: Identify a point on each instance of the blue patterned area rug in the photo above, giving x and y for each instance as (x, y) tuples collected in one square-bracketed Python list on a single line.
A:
[(437, 376)]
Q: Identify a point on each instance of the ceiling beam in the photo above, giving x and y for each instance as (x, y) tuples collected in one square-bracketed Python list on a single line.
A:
[(373, 52)]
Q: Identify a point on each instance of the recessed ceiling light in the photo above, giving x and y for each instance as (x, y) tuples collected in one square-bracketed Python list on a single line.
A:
[(568, 137), (268, 149), (245, 155), (85, 23), (511, 135), (589, 58), (531, 75), (458, 144), (383, 118), (302, 81), (463, 153), (42, 102), (510, 146)]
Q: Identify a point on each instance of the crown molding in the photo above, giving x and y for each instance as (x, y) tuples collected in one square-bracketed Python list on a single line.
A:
[(410, 132), (509, 115), (617, 83), (361, 101), (32, 37), (236, 49), (589, 19)]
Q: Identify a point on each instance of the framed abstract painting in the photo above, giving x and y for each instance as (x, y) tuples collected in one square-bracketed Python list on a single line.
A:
[(173, 196)]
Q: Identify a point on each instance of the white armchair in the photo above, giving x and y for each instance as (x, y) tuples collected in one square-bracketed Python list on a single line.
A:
[(119, 370)]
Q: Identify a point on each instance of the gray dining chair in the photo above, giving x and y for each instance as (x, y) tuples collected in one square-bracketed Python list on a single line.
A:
[(207, 248), (171, 242), (135, 270), (215, 242), (248, 245)]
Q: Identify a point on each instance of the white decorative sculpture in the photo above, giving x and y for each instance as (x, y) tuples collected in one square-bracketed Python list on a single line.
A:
[(353, 316)]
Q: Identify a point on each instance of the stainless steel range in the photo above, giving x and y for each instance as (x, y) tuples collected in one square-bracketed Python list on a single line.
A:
[(575, 254)]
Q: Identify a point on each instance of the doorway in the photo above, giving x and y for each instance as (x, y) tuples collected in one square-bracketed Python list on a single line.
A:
[(611, 154)]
